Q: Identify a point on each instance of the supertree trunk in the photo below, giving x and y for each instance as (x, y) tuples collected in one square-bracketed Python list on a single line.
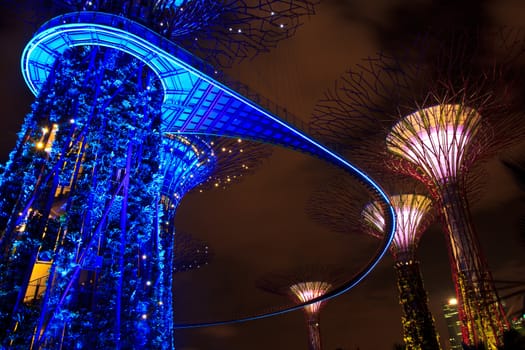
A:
[(418, 325), (481, 314), (92, 212), (314, 331)]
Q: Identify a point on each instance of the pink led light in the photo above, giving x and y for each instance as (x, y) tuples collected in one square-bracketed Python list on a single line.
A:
[(305, 291), (410, 210), (435, 138)]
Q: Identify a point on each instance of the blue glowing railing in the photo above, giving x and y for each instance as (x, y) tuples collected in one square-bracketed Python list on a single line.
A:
[(134, 28)]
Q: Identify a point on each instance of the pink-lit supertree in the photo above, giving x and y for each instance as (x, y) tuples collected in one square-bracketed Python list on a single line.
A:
[(437, 110), (302, 286), (435, 142), (340, 206)]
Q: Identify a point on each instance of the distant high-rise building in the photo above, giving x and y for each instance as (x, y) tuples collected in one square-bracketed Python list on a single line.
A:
[(450, 311)]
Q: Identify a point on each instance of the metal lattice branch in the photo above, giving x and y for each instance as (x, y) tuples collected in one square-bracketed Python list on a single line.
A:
[(235, 159), (386, 88), (189, 253), (346, 113), (221, 32), (338, 204), (249, 27)]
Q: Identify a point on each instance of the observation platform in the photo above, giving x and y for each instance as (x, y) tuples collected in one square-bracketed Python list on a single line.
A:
[(195, 102)]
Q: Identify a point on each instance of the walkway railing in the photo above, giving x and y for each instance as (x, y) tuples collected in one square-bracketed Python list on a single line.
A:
[(36, 289)]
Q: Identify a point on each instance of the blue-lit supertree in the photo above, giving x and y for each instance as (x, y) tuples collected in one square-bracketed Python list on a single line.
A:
[(91, 189), (89, 152)]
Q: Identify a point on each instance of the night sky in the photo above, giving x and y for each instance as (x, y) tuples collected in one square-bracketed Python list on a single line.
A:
[(259, 226)]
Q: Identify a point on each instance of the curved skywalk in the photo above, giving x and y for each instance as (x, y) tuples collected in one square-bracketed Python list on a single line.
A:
[(195, 102)]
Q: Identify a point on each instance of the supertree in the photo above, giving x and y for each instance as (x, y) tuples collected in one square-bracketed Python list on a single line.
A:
[(434, 112), (341, 206), (185, 162), (93, 92), (120, 131), (437, 139), (301, 286)]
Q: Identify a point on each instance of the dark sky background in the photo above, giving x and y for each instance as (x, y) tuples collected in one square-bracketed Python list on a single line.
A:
[(259, 225)]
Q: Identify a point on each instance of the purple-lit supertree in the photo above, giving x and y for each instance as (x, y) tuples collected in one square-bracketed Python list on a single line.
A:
[(437, 141), (91, 189), (301, 286), (451, 101), (340, 206)]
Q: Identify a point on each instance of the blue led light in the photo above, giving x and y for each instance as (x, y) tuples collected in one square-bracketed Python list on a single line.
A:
[(185, 163), (194, 102)]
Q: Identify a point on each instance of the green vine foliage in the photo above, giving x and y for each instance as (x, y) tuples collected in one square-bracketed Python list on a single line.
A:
[(418, 324)]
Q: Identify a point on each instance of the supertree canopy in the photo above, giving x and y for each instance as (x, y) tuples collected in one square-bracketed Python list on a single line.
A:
[(438, 139), (301, 286), (306, 291), (434, 112), (341, 206), (187, 162), (411, 209)]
